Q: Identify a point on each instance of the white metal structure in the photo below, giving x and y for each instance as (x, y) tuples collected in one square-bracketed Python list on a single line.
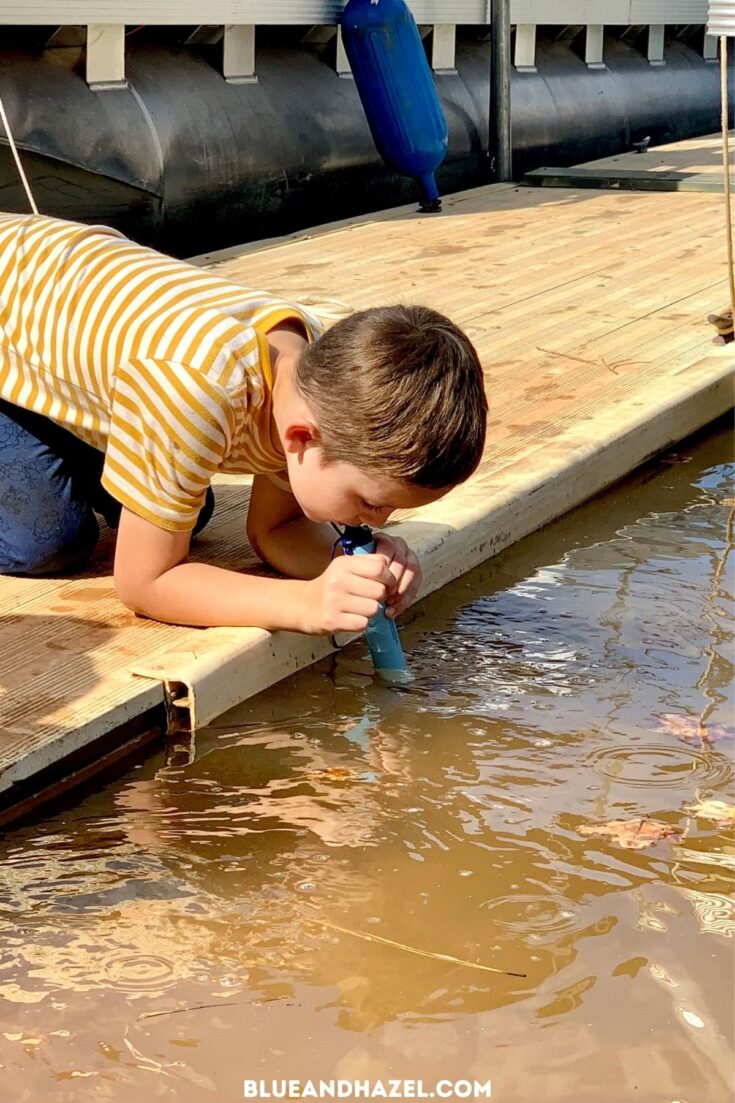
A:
[(612, 12), (721, 19), (106, 22)]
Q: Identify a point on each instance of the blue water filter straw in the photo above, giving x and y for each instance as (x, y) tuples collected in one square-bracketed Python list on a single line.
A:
[(381, 633), (396, 86)]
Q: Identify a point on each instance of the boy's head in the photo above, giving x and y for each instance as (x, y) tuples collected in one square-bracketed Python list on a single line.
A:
[(398, 413)]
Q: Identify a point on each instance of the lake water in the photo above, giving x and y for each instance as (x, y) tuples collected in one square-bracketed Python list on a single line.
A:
[(278, 906)]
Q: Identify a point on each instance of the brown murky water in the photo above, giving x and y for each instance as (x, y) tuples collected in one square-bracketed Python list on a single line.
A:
[(277, 907)]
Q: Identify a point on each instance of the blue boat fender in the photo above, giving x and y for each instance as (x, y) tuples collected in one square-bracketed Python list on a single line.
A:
[(396, 86)]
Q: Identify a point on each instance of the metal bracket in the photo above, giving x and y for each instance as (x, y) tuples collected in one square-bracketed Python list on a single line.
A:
[(238, 54), (594, 45), (656, 35), (709, 48), (342, 64), (524, 52), (67, 36), (105, 60), (206, 34), (444, 49)]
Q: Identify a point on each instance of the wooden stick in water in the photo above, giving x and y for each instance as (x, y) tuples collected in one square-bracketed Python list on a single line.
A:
[(413, 949)]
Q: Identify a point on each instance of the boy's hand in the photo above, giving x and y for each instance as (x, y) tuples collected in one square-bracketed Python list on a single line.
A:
[(345, 596), (405, 568)]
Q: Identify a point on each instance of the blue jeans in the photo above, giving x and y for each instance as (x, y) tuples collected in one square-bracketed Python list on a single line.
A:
[(49, 492)]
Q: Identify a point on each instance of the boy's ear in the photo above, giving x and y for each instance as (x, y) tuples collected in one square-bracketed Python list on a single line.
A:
[(298, 435)]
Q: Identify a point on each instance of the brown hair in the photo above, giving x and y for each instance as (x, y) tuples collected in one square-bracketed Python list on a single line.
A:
[(398, 390)]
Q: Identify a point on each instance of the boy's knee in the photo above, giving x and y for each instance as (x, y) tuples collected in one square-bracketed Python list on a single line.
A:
[(48, 547), (46, 522)]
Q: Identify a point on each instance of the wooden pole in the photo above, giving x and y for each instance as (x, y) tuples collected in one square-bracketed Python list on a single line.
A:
[(726, 169)]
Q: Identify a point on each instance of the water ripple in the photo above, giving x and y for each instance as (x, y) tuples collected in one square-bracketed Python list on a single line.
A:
[(661, 765), (528, 913), (139, 972)]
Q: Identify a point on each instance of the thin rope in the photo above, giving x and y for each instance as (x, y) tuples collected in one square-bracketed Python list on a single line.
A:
[(726, 170), (13, 147)]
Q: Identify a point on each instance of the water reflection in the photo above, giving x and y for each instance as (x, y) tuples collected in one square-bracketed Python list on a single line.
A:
[(342, 865)]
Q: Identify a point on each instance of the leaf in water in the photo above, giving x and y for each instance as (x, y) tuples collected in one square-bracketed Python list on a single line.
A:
[(690, 730), (723, 814), (631, 834), (332, 773)]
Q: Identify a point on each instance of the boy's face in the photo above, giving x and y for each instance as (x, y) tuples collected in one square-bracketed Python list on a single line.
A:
[(338, 492), (347, 495)]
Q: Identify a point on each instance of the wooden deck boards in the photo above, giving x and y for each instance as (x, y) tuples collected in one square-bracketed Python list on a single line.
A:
[(588, 309)]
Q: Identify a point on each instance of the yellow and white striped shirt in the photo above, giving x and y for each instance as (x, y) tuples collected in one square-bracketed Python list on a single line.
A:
[(161, 365)]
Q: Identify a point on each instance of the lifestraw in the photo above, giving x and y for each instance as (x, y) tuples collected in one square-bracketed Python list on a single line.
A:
[(381, 633)]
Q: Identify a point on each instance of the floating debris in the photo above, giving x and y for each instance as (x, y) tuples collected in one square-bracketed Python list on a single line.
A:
[(689, 730), (411, 949), (632, 834), (332, 773)]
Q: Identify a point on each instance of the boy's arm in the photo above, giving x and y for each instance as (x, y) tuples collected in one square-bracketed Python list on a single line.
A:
[(153, 579), (282, 536)]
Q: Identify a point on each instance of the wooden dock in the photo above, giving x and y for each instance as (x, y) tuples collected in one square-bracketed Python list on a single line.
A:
[(588, 308), (694, 165)]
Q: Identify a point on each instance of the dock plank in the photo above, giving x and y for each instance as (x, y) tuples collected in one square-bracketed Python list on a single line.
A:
[(588, 309)]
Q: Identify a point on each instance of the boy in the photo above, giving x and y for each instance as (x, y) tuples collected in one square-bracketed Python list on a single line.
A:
[(128, 378)]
